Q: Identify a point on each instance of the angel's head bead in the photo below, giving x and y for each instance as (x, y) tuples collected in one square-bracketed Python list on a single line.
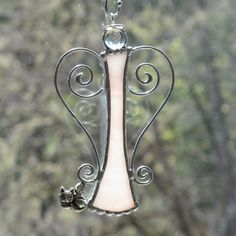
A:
[(114, 37)]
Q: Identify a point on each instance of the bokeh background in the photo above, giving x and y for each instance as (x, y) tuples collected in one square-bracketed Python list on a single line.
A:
[(191, 147)]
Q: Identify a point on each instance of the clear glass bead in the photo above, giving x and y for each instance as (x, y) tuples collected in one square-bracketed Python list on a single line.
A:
[(115, 39)]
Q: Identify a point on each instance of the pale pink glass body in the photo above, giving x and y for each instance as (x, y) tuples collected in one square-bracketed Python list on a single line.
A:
[(114, 192)]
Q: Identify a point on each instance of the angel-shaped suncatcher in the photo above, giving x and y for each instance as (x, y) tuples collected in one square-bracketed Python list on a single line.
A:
[(106, 187)]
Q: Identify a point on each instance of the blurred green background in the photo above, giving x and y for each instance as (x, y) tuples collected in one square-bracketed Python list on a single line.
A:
[(191, 148)]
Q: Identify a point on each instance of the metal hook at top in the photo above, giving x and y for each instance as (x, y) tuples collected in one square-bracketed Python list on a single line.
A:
[(113, 15)]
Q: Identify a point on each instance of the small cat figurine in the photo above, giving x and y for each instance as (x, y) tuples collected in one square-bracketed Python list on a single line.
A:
[(73, 198)]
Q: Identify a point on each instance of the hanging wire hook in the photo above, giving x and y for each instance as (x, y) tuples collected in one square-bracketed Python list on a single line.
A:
[(113, 15)]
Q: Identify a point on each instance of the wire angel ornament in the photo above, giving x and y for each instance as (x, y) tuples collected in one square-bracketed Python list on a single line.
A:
[(115, 172)]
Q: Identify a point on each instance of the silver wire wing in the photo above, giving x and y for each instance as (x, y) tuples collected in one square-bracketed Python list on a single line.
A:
[(79, 81), (149, 86)]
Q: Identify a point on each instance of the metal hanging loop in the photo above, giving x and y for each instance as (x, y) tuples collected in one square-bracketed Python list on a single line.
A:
[(112, 15)]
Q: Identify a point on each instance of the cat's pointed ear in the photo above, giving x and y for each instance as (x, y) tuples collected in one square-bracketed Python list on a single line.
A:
[(72, 191), (62, 189)]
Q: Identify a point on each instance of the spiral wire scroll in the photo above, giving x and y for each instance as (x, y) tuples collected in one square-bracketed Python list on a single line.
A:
[(86, 173), (144, 175), (147, 81), (79, 78)]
